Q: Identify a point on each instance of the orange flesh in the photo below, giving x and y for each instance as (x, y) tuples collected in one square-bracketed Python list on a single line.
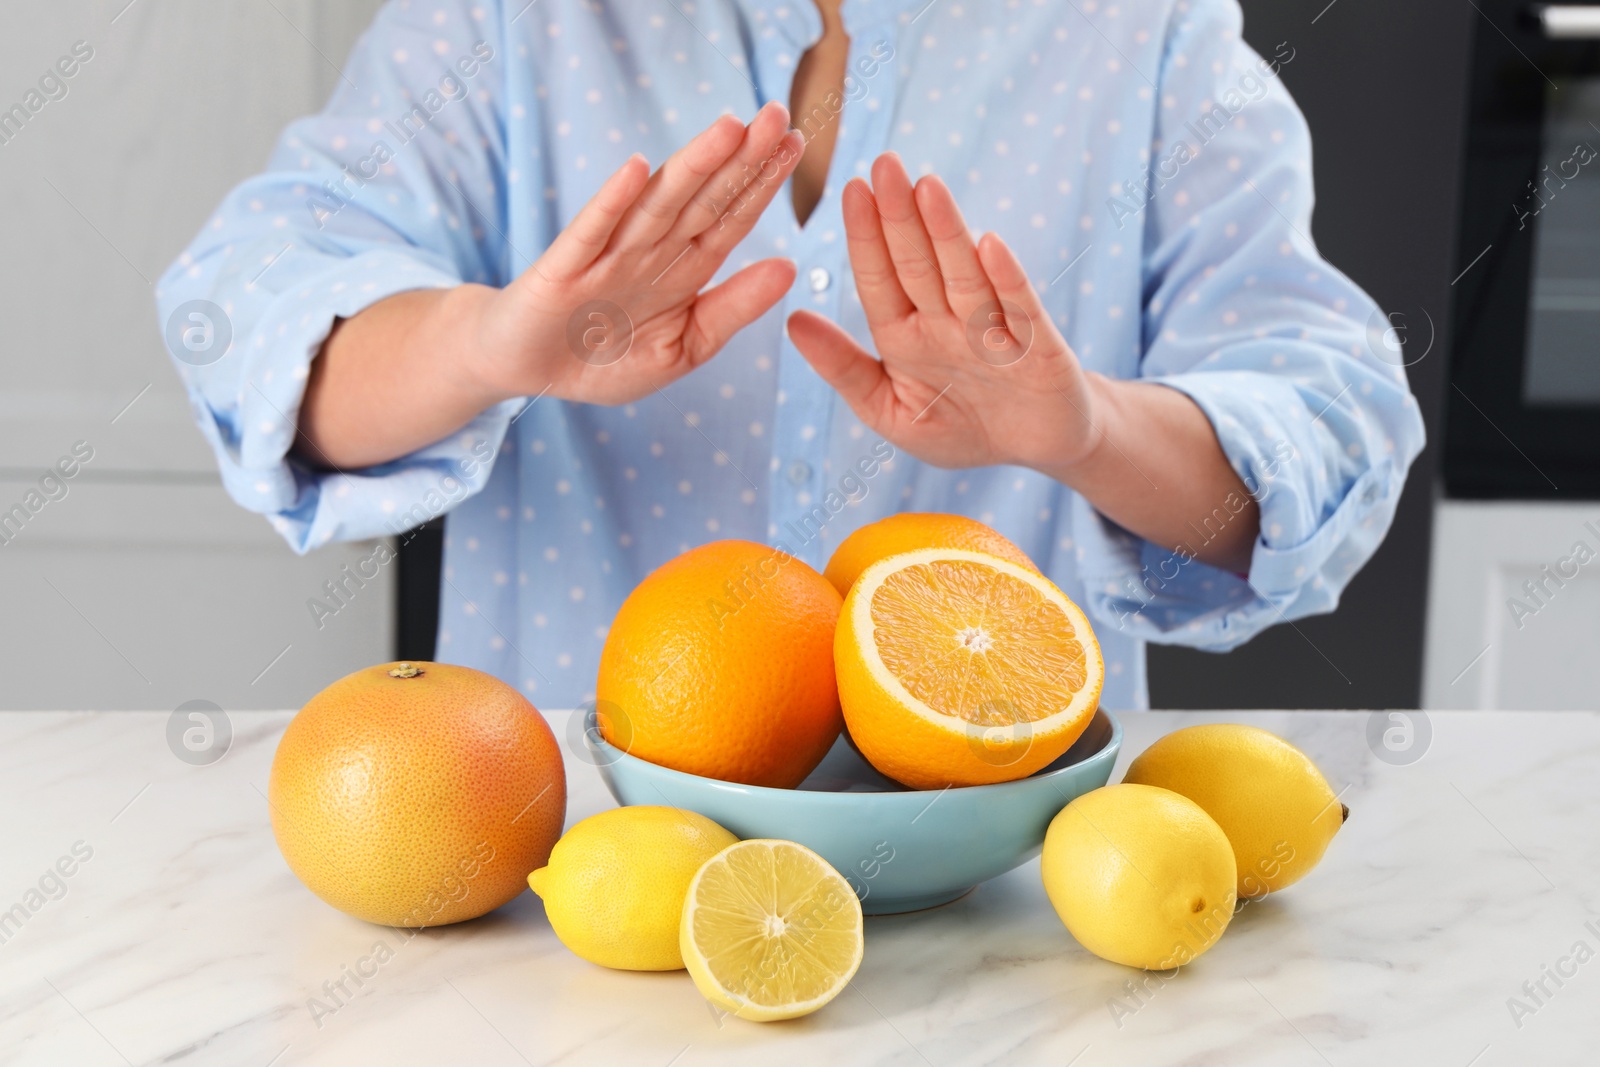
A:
[(977, 644)]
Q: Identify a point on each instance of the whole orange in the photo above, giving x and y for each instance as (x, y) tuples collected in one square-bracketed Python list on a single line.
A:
[(910, 531), (417, 794), (720, 663)]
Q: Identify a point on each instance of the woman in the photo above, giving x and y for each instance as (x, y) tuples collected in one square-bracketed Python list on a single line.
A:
[(461, 287)]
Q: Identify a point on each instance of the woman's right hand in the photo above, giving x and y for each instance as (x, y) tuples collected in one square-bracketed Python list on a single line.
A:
[(613, 310)]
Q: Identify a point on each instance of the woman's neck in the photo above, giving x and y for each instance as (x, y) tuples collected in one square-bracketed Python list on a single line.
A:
[(818, 89)]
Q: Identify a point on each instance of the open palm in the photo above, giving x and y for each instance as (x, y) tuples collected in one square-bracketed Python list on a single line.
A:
[(971, 371), (613, 309)]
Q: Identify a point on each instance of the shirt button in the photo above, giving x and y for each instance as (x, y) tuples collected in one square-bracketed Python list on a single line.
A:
[(799, 472), (820, 279), (1373, 491)]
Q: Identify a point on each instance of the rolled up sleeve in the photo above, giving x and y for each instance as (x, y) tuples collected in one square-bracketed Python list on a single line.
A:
[(397, 185), (1290, 361)]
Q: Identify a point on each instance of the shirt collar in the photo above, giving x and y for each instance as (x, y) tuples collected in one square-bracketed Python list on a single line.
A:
[(801, 23)]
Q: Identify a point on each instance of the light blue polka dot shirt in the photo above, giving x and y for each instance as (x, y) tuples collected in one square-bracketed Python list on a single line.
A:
[(1147, 166)]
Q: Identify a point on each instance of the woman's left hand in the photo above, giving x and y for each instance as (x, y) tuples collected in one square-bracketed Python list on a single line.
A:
[(972, 370), (973, 373)]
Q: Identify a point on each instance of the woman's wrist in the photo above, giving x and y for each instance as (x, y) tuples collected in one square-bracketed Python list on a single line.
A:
[(1074, 454), (455, 340), (399, 375)]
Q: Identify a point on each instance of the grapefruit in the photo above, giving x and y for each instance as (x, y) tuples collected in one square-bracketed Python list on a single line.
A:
[(417, 794)]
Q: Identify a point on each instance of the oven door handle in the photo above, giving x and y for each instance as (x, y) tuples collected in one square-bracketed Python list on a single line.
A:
[(1568, 21)]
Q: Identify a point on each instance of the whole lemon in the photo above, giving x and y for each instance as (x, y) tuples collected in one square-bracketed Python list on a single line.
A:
[(909, 531), (615, 885), (416, 794), (1140, 875), (1269, 798), (720, 663)]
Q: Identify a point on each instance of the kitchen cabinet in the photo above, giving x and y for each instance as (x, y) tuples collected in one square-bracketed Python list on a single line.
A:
[(144, 585), (1514, 606)]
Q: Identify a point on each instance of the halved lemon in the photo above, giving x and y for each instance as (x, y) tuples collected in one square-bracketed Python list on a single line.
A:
[(960, 668), (770, 930)]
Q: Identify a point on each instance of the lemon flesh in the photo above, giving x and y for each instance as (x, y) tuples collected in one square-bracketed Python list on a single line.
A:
[(1140, 876), (1269, 798), (613, 890), (770, 930)]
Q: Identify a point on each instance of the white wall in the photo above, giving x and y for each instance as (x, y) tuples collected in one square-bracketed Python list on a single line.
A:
[(1490, 643), (145, 586)]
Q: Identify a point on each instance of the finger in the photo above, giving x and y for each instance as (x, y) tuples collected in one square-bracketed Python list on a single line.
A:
[(852, 371), (1025, 314), (585, 237), (692, 261), (877, 283), (727, 223), (966, 285), (679, 178), (908, 241), (723, 311), (747, 182)]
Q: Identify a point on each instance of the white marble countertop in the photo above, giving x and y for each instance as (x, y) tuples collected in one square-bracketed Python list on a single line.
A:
[(184, 938)]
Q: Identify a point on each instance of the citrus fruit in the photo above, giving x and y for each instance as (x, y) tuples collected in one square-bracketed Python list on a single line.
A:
[(1141, 876), (908, 532), (720, 663), (614, 887), (417, 794), (1269, 798), (770, 930), (960, 668)]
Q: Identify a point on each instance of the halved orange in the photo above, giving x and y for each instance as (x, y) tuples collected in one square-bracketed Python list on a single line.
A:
[(907, 531), (960, 668)]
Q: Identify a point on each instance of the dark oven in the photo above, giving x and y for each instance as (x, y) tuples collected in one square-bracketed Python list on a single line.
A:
[(1522, 413)]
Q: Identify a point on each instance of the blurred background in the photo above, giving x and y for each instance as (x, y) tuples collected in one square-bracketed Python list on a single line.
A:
[(1452, 181)]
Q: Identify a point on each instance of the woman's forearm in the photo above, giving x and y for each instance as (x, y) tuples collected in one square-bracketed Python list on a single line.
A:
[(392, 379), (1158, 470)]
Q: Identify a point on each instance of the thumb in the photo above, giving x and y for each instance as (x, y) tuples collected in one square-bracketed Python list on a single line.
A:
[(853, 372), (721, 312)]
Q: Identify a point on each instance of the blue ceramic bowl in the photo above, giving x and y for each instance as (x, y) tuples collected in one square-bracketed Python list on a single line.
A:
[(901, 849)]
